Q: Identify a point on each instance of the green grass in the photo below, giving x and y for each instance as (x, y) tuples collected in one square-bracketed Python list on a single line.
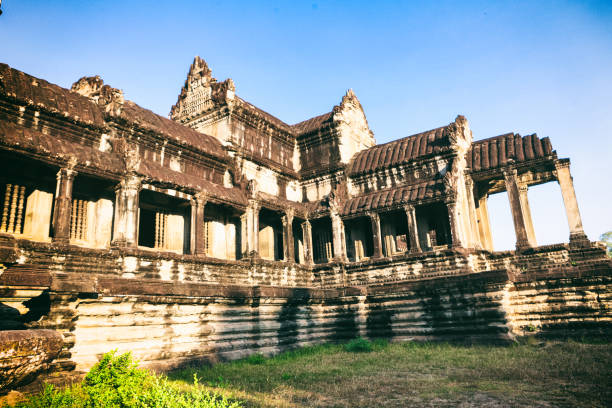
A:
[(361, 374), (364, 374)]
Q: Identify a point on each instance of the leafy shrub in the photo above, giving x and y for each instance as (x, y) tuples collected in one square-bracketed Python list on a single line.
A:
[(113, 380), (359, 345), (117, 382), (52, 397)]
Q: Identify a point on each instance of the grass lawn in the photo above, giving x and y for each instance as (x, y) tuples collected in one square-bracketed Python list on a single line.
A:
[(542, 374)]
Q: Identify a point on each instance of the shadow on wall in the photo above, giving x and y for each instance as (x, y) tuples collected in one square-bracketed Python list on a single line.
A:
[(378, 322), (580, 315), (462, 315), (345, 324), (12, 319), (288, 317)]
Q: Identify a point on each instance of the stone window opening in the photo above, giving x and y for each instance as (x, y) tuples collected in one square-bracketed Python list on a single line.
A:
[(394, 231), (298, 241), (222, 232), (270, 235), (13, 213), (433, 226), (78, 220), (26, 197), (499, 222), (550, 222), (322, 243), (162, 222), (504, 208), (358, 232), (91, 212)]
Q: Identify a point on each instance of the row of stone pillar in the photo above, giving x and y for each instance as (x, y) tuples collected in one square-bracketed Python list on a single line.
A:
[(521, 212), (125, 231), (127, 203), (478, 217), (377, 245)]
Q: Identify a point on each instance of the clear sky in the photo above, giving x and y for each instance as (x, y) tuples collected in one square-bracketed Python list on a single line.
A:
[(540, 67)]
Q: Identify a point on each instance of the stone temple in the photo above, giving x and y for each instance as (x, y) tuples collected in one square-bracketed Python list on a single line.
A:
[(224, 231)]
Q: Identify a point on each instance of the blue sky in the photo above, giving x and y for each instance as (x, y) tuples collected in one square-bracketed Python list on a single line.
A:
[(543, 67)]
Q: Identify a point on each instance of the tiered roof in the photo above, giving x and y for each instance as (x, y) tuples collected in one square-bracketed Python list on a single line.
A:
[(431, 142), (428, 190), (50, 97), (499, 151), (184, 136), (312, 124)]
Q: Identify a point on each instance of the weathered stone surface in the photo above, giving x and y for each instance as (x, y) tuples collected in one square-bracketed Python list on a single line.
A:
[(8, 250), (471, 296), (24, 353)]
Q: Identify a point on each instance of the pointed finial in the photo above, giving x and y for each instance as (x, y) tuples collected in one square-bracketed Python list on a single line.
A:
[(199, 69), (460, 119)]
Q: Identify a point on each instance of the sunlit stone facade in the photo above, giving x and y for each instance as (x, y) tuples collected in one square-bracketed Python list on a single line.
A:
[(224, 231)]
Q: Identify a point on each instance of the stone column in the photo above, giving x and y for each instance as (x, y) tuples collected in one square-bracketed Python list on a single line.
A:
[(531, 238), (469, 185), (456, 237), (127, 195), (510, 176), (307, 238), (252, 218), (574, 220), (484, 225), (413, 233), (376, 235), (63, 205), (244, 234), (289, 250), (198, 203), (338, 237)]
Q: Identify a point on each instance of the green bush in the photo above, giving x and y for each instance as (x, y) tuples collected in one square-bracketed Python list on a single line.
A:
[(359, 345), (117, 382)]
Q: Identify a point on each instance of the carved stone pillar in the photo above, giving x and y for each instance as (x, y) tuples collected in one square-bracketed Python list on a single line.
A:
[(63, 205), (198, 203), (289, 250), (574, 220), (510, 176), (413, 233), (531, 238), (127, 195), (244, 234), (338, 237), (252, 218), (376, 235), (484, 225), (307, 238), (469, 185), (456, 237)]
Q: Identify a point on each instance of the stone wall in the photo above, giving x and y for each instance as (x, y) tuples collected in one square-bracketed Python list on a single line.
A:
[(195, 310), (163, 266)]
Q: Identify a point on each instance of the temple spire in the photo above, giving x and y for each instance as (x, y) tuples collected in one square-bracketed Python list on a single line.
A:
[(199, 71)]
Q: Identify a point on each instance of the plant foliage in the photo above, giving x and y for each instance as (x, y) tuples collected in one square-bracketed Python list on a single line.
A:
[(117, 382), (606, 238), (359, 345)]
